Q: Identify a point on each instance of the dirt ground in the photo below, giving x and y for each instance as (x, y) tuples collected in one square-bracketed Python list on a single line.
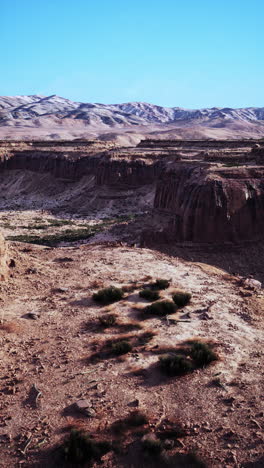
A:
[(51, 356)]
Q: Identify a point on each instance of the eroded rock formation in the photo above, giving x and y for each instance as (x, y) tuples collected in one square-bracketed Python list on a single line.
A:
[(206, 191), (203, 204)]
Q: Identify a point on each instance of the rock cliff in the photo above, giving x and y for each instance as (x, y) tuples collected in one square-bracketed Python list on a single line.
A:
[(199, 203), (217, 196)]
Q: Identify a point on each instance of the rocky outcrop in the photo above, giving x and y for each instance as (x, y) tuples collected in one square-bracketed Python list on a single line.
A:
[(196, 144), (107, 169), (258, 154), (195, 204)]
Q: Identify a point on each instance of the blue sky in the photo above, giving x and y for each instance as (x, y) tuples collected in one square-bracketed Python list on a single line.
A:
[(195, 53)]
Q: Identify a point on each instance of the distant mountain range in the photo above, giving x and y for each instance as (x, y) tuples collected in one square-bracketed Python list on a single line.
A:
[(56, 117)]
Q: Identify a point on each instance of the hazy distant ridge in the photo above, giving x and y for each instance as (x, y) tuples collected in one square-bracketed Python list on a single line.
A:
[(131, 113), (57, 117)]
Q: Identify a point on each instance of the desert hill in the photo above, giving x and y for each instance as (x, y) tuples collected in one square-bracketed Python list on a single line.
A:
[(55, 117)]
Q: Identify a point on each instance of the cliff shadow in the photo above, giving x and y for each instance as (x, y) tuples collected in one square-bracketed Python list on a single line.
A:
[(239, 260)]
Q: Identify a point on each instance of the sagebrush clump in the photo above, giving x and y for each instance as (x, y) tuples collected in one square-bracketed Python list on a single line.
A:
[(181, 298), (160, 308), (149, 294), (175, 364), (196, 355), (121, 347), (160, 284), (202, 354), (109, 295), (107, 320)]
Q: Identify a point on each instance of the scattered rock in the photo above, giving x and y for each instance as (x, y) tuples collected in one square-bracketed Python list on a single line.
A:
[(31, 271), (32, 316), (84, 407), (252, 283)]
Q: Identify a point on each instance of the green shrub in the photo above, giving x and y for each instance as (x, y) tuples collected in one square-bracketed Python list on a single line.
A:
[(149, 294), (181, 298), (79, 448), (107, 320), (161, 284), (108, 295), (175, 364), (160, 308), (121, 347), (202, 354)]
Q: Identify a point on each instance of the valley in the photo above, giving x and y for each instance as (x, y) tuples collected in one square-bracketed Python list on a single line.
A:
[(79, 217)]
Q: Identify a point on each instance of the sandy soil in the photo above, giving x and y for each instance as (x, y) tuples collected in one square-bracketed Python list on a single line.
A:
[(219, 406)]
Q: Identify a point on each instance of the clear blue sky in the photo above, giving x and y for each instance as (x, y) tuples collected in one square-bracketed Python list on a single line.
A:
[(188, 53)]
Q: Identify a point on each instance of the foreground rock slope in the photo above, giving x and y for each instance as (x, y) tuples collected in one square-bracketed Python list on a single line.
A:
[(57, 363)]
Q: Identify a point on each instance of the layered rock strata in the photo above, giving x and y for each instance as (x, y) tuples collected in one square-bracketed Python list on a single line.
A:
[(195, 203), (209, 191)]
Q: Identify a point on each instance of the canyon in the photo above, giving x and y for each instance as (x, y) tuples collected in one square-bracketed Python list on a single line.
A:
[(190, 191), (79, 216)]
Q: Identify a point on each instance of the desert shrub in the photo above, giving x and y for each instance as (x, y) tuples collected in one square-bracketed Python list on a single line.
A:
[(121, 347), (149, 294), (151, 445), (108, 295), (161, 284), (160, 308), (181, 298), (202, 354), (137, 418), (175, 364), (79, 448), (107, 320)]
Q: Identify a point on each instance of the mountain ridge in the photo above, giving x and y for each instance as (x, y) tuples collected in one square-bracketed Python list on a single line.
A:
[(59, 116)]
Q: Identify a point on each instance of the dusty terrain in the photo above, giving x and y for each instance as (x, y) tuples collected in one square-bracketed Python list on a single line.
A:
[(220, 406), (92, 208)]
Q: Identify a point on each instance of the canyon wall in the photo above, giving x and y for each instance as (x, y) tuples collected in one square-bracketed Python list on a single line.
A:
[(196, 203), (198, 197), (107, 169)]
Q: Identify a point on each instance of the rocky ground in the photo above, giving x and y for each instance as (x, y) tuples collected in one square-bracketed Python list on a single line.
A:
[(50, 335)]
